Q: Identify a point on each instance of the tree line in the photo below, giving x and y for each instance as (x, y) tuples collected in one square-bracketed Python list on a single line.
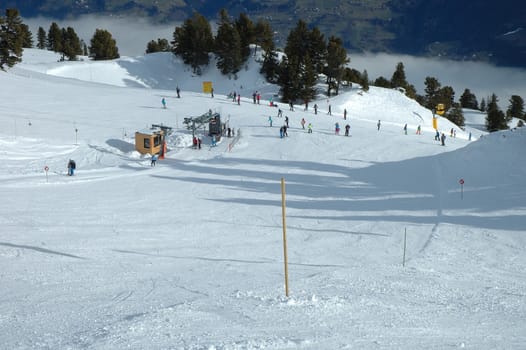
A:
[(307, 59)]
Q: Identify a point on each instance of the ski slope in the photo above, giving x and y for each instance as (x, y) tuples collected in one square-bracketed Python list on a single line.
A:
[(189, 254)]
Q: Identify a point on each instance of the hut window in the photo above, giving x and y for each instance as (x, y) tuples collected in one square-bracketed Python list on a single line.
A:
[(157, 140), (146, 143)]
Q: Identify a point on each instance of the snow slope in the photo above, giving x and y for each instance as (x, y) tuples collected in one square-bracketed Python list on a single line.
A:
[(189, 254)]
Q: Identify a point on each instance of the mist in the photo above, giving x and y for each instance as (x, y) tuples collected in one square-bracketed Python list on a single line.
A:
[(133, 34)]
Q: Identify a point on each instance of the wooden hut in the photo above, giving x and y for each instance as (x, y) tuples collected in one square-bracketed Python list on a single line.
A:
[(149, 141)]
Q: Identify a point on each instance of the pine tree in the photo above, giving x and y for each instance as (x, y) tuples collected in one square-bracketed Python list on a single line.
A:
[(455, 115), (193, 42), (468, 100), (161, 45), (318, 49), (516, 108), (309, 77), (247, 35), (227, 46), (382, 82), (336, 61), (103, 46), (11, 38), (264, 37), (71, 46), (495, 119), (41, 38), (54, 38), (432, 88), (365, 81), (398, 79), (483, 105), (27, 41)]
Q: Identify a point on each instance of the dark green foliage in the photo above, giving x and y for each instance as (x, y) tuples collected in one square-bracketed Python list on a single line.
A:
[(264, 37), (103, 46), (336, 61), (455, 115), (468, 100), (483, 105), (382, 82), (446, 95), (161, 45), (247, 34), (432, 87), (54, 38), (398, 79), (495, 119), (351, 75), (71, 46), (365, 81), (194, 41), (227, 46), (516, 108), (11, 38), (300, 69), (27, 41), (41, 38)]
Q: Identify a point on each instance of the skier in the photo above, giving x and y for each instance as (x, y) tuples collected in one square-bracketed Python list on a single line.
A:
[(280, 113), (329, 112), (194, 142), (287, 121), (291, 106), (212, 92), (315, 108), (154, 159), (214, 141), (443, 139), (405, 129), (419, 130), (254, 97), (71, 167), (258, 97), (178, 92), (437, 136), (302, 123), (285, 127), (199, 143), (345, 114), (306, 105), (281, 132), (378, 124), (163, 101), (270, 121), (310, 128), (337, 129), (239, 99), (347, 128), (469, 138)]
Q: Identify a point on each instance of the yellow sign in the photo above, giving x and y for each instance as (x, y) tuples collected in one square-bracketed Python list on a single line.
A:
[(440, 109), (207, 87)]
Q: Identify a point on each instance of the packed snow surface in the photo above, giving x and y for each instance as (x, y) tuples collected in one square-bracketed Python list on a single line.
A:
[(189, 254)]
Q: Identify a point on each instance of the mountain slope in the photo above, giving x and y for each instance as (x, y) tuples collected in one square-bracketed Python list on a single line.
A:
[(189, 254)]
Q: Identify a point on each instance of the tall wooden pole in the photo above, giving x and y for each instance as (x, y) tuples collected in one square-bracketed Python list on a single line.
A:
[(284, 237)]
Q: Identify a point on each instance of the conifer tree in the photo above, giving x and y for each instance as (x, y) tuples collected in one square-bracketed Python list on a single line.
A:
[(336, 61), (483, 105), (41, 38), (103, 46), (432, 88), (27, 41), (71, 46), (399, 79), (54, 38), (247, 35), (318, 49), (455, 115), (193, 42), (11, 38), (516, 108), (365, 81), (495, 119), (161, 45), (227, 45), (382, 82), (468, 100), (264, 37)]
